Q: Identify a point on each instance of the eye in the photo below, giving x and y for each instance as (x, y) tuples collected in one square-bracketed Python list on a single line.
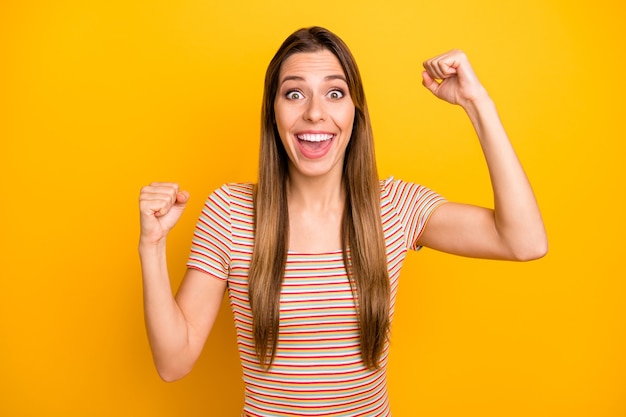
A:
[(294, 95), (335, 94)]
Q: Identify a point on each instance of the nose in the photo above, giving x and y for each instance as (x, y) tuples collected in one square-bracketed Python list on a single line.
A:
[(315, 110)]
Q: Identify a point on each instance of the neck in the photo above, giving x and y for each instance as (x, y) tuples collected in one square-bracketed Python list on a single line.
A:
[(316, 193)]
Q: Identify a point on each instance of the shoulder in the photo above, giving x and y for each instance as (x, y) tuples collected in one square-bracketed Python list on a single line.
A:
[(237, 188), (404, 195), (235, 191), (230, 197), (393, 188)]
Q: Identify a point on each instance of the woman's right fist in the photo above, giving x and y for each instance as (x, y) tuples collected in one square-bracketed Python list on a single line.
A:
[(160, 206)]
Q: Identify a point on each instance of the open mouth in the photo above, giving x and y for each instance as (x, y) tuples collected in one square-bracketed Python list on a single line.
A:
[(314, 145), (314, 137)]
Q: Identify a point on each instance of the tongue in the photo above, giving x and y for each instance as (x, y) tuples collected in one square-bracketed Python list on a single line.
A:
[(312, 146), (314, 150)]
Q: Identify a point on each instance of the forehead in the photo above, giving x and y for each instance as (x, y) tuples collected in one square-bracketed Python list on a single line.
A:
[(302, 64)]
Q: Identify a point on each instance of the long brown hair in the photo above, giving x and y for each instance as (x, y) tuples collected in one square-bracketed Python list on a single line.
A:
[(363, 243)]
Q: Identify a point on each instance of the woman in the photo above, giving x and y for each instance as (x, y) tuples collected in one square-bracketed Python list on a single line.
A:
[(311, 255)]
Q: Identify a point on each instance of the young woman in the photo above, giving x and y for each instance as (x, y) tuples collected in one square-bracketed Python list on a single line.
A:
[(311, 254)]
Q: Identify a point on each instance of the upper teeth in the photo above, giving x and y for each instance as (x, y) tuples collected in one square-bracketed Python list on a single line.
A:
[(317, 137)]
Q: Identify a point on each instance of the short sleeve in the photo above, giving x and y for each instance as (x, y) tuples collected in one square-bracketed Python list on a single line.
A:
[(212, 239), (414, 204)]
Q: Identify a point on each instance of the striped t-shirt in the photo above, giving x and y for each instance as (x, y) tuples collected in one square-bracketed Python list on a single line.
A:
[(317, 370)]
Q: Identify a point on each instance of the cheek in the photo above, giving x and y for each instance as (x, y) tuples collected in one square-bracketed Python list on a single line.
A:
[(283, 118), (348, 119), (281, 127)]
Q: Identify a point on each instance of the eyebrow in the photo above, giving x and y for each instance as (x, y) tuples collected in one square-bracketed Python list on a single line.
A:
[(327, 78)]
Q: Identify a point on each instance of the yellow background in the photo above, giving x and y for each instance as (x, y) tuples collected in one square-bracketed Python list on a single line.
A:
[(98, 98)]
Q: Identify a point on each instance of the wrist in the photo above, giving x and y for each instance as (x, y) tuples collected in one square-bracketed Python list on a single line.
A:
[(479, 106), (147, 246), (477, 101)]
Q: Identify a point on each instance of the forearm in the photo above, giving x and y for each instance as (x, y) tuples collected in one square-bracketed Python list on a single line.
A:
[(516, 213), (165, 322)]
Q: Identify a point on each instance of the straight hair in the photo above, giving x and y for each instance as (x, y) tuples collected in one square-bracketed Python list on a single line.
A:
[(363, 245)]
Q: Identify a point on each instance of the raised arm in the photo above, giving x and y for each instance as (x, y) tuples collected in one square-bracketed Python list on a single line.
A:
[(177, 327), (513, 229)]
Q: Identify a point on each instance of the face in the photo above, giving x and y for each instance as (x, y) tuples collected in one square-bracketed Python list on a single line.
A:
[(314, 113)]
